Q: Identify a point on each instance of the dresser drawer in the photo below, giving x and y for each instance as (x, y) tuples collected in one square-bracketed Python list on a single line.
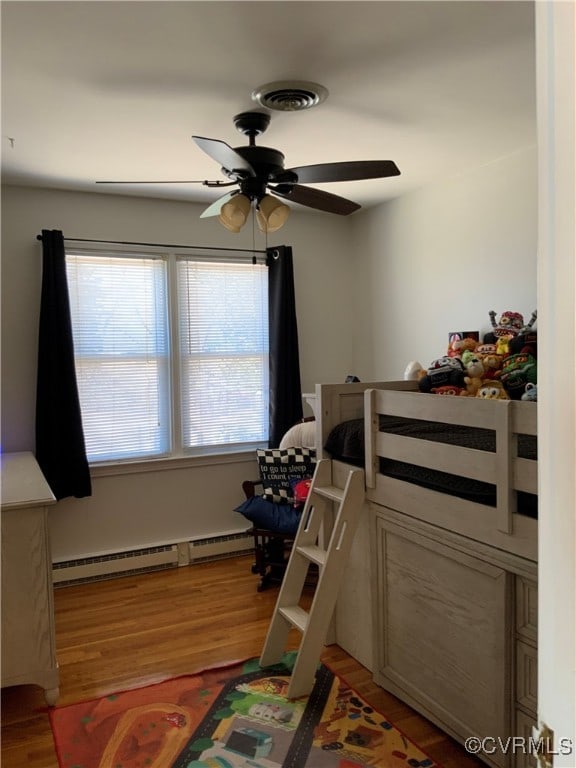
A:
[(527, 609), (526, 676)]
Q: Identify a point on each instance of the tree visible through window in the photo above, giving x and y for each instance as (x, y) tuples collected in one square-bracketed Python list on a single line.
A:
[(171, 353)]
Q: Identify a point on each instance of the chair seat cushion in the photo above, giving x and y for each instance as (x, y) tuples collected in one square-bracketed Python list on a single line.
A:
[(279, 518)]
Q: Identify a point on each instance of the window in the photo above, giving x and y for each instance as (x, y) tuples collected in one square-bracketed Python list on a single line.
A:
[(171, 353)]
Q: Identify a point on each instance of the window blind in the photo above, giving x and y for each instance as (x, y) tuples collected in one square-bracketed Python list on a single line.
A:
[(171, 352), (223, 351), (119, 309)]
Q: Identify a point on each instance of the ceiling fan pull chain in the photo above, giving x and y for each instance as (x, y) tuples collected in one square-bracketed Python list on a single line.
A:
[(253, 234)]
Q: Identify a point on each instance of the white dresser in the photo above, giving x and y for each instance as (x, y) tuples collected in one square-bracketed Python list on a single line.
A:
[(28, 637)]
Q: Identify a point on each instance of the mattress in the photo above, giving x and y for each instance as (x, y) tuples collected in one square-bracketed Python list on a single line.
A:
[(346, 443)]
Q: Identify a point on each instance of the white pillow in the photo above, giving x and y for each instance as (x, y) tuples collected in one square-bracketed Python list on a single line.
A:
[(300, 436)]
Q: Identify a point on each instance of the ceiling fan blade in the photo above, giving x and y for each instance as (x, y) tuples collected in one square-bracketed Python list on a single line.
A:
[(227, 157), (215, 208), (175, 181), (347, 171), (316, 198)]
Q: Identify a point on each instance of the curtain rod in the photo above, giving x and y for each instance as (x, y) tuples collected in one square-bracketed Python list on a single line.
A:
[(158, 245)]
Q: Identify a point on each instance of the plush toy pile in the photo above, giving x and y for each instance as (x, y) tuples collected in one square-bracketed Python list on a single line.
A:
[(500, 367)]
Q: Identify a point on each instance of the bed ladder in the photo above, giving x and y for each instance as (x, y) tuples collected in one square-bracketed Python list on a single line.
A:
[(333, 483)]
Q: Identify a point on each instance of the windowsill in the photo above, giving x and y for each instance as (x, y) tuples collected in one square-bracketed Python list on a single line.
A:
[(170, 463)]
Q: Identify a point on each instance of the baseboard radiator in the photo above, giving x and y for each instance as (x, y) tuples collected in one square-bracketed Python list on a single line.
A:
[(135, 561)]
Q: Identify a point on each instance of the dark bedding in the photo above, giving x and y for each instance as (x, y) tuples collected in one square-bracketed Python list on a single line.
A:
[(346, 443)]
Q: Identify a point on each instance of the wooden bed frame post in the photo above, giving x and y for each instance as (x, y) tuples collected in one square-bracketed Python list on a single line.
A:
[(506, 449), (370, 431)]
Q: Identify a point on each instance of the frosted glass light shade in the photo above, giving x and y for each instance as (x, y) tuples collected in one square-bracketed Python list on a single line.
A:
[(234, 213), (227, 224), (271, 214)]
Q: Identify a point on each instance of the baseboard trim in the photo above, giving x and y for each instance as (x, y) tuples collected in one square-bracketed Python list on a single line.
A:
[(124, 563)]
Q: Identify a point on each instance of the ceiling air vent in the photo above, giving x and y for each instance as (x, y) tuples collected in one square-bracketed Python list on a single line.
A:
[(290, 96)]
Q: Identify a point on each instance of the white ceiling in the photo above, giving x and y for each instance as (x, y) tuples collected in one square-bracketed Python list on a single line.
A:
[(114, 90)]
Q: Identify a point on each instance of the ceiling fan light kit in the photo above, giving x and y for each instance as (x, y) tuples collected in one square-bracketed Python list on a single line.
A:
[(271, 214)]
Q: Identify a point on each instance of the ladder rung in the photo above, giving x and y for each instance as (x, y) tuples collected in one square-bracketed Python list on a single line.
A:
[(315, 554), (331, 492), (297, 616)]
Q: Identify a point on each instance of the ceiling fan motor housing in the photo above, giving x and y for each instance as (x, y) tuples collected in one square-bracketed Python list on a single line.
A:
[(266, 163)]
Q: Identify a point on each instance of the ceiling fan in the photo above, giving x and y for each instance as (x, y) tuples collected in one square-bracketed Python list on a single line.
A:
[(259, 175)]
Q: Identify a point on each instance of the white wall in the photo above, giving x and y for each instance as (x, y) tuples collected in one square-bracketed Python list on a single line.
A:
[(440, 259), (169, 505)]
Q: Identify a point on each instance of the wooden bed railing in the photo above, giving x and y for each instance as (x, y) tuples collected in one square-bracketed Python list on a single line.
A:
[(504, 468), (336, 403)]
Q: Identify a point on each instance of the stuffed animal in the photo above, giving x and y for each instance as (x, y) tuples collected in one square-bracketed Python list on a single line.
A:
[(503, 345), (448, 390), (445, 371), (509, 324), (531, 392), (474, 374), (485, 349), (491, 360), (414, 371), (468, 355), (454, 345), (492, 390), (527, 341), (492, 364), (457, 345), (530, 322), (517, 371)]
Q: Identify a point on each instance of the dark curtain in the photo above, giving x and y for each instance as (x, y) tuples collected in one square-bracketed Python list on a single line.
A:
[(60, 448), (285, 389)]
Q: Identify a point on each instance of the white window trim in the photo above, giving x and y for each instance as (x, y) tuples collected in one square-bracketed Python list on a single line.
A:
[(128, 467)]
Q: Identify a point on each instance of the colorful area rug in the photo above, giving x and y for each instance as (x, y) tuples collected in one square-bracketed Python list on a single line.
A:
[(233, 717)]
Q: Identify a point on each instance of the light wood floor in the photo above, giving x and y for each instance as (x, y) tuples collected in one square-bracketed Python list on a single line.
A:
[(135, 630)]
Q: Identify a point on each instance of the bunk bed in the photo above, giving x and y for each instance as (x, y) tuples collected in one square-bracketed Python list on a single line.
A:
[(449, 593)]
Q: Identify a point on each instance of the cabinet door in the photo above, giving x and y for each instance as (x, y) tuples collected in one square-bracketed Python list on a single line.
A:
[(442, 633)]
